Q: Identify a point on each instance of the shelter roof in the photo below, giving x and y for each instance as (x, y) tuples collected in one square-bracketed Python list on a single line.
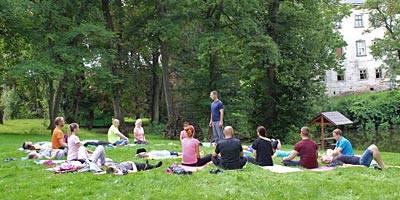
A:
[(331, 118)]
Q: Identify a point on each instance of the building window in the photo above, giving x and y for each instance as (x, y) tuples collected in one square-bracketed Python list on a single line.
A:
[(363, 74), (361, 48), (358, 22), (338, 24), (340, 77), (378, 73)]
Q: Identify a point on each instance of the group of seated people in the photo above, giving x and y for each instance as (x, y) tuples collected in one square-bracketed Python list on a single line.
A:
[(228, 153), (75, 150), (116, 138)]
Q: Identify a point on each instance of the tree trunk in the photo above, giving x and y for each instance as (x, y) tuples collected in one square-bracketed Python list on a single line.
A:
[(51, 103), (116, 97), (90, 119), (214, 13), (271, 114), (155, 104), (56, 104), (170, 131)]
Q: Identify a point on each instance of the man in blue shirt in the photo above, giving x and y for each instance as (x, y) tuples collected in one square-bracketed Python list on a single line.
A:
[(217, 117), (343, 146)]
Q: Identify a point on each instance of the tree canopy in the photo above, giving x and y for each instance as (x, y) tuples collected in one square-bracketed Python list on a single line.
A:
[(161, 58)]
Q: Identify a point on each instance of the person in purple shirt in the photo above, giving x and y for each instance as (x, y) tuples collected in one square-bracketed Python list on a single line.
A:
[(217, 117), (307, 149)]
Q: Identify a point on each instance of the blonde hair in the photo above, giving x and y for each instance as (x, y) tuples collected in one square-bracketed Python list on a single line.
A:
[(71, 128), (137, 122)]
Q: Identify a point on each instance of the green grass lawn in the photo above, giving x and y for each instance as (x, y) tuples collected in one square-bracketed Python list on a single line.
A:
[(23, 179)]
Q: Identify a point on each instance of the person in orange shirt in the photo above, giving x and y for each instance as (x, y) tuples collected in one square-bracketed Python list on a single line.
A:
[(57, 139)]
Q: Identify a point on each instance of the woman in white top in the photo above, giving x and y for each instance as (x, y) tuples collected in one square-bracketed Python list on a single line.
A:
[(78, 152)]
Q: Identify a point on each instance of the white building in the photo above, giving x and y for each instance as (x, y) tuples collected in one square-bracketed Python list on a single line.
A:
[(361, 72)]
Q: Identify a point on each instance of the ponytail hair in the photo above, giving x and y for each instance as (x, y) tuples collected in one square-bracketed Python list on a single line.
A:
[(189, 131), (71, 128)]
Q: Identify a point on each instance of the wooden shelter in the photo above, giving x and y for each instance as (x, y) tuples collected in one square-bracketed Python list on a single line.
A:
[(329, 118)]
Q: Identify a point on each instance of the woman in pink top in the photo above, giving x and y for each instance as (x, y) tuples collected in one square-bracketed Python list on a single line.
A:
[(138, 133), (190, 150), (183, 134)]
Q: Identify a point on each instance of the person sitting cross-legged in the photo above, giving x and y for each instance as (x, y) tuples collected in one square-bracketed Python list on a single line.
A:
[(262, 149), (307, 149), (231, 152), (190, 150)]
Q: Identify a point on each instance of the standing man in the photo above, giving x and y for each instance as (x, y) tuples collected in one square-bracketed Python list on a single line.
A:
[(217, 117), (307, 149), (115, 137), (231, 152), (57, 138)]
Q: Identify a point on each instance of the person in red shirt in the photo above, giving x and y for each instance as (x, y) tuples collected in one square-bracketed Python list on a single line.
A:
[(307, 149)]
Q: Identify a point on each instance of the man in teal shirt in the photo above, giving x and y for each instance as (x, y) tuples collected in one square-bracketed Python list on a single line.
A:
[(343, 146)]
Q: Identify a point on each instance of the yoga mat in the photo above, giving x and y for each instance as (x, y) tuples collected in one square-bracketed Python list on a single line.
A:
[(281, 169), (322, 169)]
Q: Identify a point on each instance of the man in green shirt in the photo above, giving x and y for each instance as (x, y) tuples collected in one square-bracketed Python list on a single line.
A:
[(115, 137)]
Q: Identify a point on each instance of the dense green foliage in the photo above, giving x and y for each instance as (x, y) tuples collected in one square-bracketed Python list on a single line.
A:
[(23, 179), (160, 59), (379, 111)]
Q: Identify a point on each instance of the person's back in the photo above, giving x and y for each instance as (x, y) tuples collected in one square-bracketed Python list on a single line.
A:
[(230, 149), (57, 134), (112, 136), (347, 148), (264, 152), (307, 149), (189, 155)]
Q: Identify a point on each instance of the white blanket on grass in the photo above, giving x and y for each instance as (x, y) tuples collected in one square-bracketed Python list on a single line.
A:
[(281, 169)]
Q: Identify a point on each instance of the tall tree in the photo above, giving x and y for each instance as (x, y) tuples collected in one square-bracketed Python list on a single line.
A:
[(386, 14)]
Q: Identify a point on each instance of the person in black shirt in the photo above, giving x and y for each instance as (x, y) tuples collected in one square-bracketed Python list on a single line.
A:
[(231, 152), (262, 149)]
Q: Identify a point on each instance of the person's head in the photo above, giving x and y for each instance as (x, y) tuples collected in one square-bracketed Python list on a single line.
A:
[(59, 121), (27, 145), (138, 123), (336, 134), (33, 155), (112, 169), (228, 131), (73, 128), (305, 131), (116, 122), (261, 131), (189, 131), (327, 159), (185, 124), (214, 95)]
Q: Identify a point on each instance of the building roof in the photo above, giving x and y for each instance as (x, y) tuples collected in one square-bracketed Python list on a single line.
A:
[(353, 2), (331, 118)]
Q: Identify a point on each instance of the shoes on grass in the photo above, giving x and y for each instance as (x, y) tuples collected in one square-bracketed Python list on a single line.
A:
[(216, 171), (9, 159)]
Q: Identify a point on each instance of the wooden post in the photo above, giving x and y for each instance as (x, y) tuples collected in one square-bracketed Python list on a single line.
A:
[(322, 133)]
